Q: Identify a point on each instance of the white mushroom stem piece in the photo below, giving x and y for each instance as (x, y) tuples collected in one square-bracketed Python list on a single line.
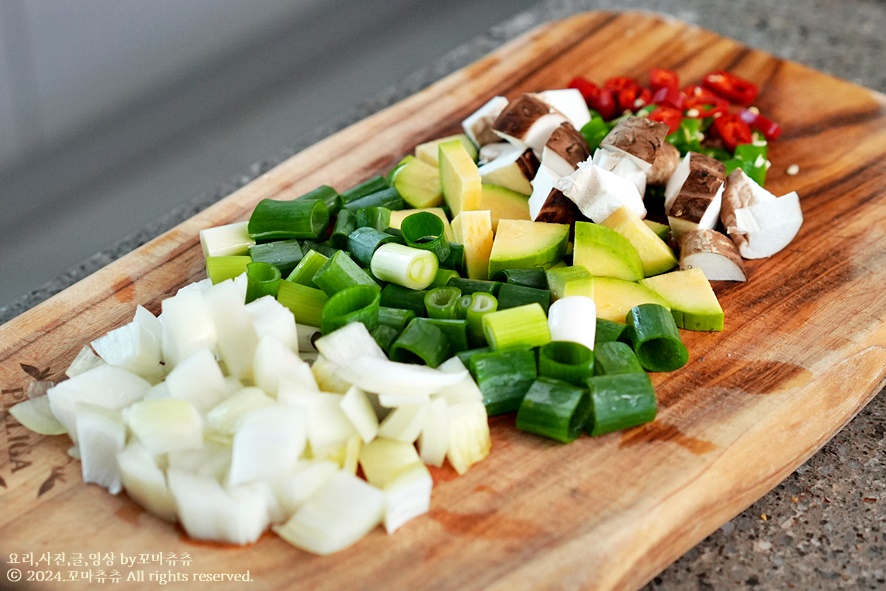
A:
[(527, 122), (598, 193), (478, 125), (759, 223), (489, 152), (569, 102), (694, 194), (514, 170), (548, 203), (565, 149), (623, 165), (712, 252)]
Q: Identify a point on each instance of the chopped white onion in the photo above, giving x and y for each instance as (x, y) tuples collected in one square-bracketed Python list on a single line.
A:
[(268, 441), (145, 482), (36, 415), (407, 496), (101, 435), (358, 408), (163, 425)]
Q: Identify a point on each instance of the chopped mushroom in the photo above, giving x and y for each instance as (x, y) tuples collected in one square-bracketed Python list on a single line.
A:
[(623, 165), (666, 162), (638, 137), (528, 121), (478, 125), (569, 102), (713, 253), (598, 193), (565, 149), (513, 170), (694, 194), (489, 152), (759, 223)]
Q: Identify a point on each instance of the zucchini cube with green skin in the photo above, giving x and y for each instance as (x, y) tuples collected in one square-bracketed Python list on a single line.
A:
[(605, 253), (616, 297), (503, 204), (523, 244), (418, 182), (430, 151), (459, 177), (692, 300), (655, 253)]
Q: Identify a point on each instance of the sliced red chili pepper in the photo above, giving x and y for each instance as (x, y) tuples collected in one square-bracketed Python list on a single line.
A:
[(671, 97), (662, 78), (629, 94), (604, 103), (617, 83), (733, 88), (668, 115), (703, 102), (769, 128), (730, 128), (587, 88)]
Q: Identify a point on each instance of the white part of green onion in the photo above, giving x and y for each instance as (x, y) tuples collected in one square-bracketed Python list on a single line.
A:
[(268, 441), (433, 442), (226, 416), (349, 343), (358, 408), (212, 460), (274, 361), (340, 513), (163, 425), (237, 338), (85, 360), (410, 267), (103, 385), (392, 377), (271, 318), (404, 423), (36, 415), (296, 487), (187, 326), (407, 496), (208, 511), (199, 380), (522, 326), (101, 435), (469, 438), (132, 347), (383, 459), (145, 482), (228, 240), (574, 319)]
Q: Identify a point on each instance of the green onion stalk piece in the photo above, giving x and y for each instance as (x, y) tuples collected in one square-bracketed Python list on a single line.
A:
[(304, 271), (283, 254), (474, 308), (534, 277), (339, 272), (374, 217), (305, 303), (364, 241), (397, 318), (345, 223), (219, 268), (456, 258), (421, 342), (555, 409), (466, 355), (442, 302), (609, 330), (397, 296), (282, 220), (327, 195), (406, 266), (357, 303), (469, 286), (523, 326), (262, 279), (656, 338), (456, 332), (511, 295), (425, 230), (567, 361), (619, 402), (385, 336), (324, 248), (388, 197), (367, 187), (615, 357), (503, 378), (444, 276)]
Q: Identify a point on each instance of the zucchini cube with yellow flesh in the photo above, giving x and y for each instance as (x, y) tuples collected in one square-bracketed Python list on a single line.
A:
[(692, 300), (523, 244), (605, 253), (459, 178)]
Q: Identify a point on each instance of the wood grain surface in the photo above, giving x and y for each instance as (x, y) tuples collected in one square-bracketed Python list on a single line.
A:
[(803, 351)]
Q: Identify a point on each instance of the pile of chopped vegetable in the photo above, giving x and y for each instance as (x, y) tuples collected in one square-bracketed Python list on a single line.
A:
[(345, 340)]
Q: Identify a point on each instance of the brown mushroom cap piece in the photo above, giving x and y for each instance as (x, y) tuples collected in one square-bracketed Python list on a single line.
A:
[(527, 121), (694, 193), (666, 162), (712, 252), (640, 137), (513, 170), (478, 125), (565, 149)]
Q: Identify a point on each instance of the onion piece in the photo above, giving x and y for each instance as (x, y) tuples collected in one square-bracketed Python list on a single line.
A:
[(433, 442), (268, 441), (199, 380), (163, 425), (383, 459), (404, 423), (349, 343), (359, 410), (391, 377), (407, 496), (36, 414), (274, 361), (469, 438), (294, 488), (101, 435), (145, 482)]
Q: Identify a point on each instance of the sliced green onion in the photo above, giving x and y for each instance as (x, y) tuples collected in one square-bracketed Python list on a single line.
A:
[(374, 217), (281, 220), (220, 268), (656, 338), (615, 357), (469, 286), (535, 277), (339, 272), (410, 267), (456, 258), (228, 240), (345, 223), (443, 277), (511, 295), (609, 330), (456, 331), (305, 303), (566, 360), (397, 296), (475, 310), (385, 335), (356, 303), (283, 254), (323, 248), (304, 271), (261, 279), (421, 342), (426, 231), (620, 402), (523, 326), (466, 355), (375, 184), (442, 302), (503, 378), (555, 409), (388, 198), (364, 241), (327, 195), (396, 318)]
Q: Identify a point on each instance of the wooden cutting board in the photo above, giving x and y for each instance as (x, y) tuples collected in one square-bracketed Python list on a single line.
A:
[(802, 353)]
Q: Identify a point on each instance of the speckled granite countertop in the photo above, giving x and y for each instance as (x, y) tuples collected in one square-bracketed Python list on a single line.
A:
[(824, 526)]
